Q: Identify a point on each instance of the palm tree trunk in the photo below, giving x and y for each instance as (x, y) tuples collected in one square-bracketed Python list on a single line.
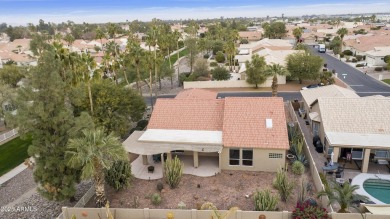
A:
[(155, 68), (138, 80), (151, 87), (99, 186), (275, 86), (178, 64), (170, 67), (90, 96)]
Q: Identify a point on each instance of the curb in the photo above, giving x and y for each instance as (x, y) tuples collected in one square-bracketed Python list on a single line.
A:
[(12, 173)]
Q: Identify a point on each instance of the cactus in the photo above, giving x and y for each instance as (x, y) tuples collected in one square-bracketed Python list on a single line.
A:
[(302, 194), (298, 168), (119, 175), (264, 201), (156, 199), (282, 184), (173, 171)]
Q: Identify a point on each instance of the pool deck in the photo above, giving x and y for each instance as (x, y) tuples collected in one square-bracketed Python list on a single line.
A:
[(359, 180)]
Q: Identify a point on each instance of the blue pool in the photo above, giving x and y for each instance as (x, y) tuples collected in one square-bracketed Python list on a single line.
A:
[(379, 189)]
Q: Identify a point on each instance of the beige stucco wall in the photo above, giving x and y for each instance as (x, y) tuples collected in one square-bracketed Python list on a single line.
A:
[(261, 162), (228, 84)]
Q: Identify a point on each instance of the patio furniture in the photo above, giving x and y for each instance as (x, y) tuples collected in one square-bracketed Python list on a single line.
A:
[(150, 169), (340, 181), (330, 168), (291, 157), (340, 171), (384, 162)]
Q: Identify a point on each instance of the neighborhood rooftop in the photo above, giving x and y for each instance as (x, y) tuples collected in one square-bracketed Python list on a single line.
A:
[(311, 95)]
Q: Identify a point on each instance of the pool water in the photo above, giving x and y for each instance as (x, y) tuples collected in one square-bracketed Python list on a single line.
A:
[(379, 189)]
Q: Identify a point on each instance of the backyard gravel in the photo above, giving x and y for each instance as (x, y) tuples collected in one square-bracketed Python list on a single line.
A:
[(17, 186), (37, 207)]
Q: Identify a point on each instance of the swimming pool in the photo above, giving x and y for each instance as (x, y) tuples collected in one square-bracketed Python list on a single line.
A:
[(378, 188)]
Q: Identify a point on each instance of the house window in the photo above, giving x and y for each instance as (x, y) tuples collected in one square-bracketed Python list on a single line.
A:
[(381, 154), (275, 155), (247, 157), (234, 157)]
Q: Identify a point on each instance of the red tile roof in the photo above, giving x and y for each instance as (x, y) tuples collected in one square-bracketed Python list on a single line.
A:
[(197, 94), (242, 120), (244, 123), (187, 114)]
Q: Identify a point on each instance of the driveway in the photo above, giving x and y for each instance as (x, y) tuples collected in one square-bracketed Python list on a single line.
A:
[(363, 84)]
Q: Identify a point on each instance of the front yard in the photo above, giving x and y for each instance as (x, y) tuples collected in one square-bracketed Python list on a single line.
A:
[(227, 189)]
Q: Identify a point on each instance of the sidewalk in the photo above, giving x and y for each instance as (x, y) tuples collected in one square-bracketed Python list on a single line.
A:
[(15, 171)]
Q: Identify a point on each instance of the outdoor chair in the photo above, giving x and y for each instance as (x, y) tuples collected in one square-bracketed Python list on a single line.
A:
[(339, 172), (150, 169)]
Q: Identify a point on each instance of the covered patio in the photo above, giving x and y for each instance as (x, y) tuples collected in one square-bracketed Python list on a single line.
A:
[(199, 159)]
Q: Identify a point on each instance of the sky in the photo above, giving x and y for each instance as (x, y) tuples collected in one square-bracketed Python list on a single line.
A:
[(22, 12)]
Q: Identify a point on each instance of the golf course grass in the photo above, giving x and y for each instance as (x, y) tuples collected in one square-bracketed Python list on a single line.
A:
[(13, 153)]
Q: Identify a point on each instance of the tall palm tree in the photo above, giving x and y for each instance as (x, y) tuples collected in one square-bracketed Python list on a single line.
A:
[(149, 58), (344, 195), (100, 35), (176, 37), (342, 32), (93, 153), (136, 54), (230, 49), (297, 32), (274, 70)]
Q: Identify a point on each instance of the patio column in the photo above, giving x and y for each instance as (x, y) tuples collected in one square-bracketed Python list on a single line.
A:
[(336, 154), (366, 160), (219, 160), (145, 159), (196, 159), (162, 163)]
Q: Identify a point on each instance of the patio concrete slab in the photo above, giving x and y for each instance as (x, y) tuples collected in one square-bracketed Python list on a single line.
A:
[(208, 166)]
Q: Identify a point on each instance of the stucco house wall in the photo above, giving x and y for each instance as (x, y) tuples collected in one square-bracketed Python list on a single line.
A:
[(261, 160)]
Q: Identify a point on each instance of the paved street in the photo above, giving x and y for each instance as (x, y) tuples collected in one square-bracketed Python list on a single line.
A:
[(363, 84), (286, 95)]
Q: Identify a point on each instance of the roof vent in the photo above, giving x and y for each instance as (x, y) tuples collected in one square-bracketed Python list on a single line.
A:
[(268, 123)]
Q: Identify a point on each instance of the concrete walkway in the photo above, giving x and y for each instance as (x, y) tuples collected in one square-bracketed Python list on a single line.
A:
[(15, 171), (208, 166)]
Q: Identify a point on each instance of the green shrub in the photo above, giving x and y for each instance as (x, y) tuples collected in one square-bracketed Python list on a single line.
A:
[(354, 60), (156, 199), (283, 185), (206, 56), (181, 44), (220, 57), (213, 64), (347, 52), (385, 68), (220, 74), (298, 168), (324, 180), (359, 57), (341, 55), (305, 210), (160, 186), (142, 124), (264, 201), (378, 69), (387, 59), (119, 175), (244, 41), (173, 171), (359, 65)]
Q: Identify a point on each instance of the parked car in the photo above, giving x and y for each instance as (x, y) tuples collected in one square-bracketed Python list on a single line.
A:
[(311, 86)]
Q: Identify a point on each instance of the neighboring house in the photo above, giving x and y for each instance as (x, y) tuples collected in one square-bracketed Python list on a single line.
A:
[(361, 45), (349, 124), (311, 107), (250, 35), (376, 57), (237, 133)]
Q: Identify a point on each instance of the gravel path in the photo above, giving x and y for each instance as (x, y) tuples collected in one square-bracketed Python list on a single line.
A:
[(37, 207), (17, 186)]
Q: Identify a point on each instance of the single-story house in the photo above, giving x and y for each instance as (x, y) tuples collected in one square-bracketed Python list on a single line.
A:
[(349, 125), (376, 57), (242, 133), (311, 106), (361, 45)]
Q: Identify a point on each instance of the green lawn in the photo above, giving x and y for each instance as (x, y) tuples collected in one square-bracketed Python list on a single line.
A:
[(13, 153), (386, 81), (182, 53)]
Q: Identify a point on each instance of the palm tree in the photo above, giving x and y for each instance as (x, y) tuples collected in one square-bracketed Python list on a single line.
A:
[(136, 54), (274, 71), (343, 194), (342, 32), (149, 62), (93, 153), (69, 39), (297, 32), (230, 49), (176, 37), (100, 35)]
